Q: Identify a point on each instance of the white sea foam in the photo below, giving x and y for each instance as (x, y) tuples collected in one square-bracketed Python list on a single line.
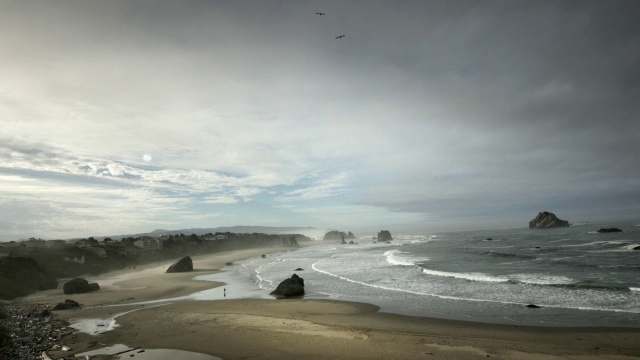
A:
[(541, 279), (634, 289)]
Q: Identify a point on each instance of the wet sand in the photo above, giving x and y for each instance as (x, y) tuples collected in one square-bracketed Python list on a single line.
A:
[(306, 329)]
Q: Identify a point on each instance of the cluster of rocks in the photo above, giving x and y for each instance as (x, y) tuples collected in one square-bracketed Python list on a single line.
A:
[(338, 235), (31, 330)]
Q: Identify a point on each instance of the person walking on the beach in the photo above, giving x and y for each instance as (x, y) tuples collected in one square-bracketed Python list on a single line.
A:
[(225, 292)]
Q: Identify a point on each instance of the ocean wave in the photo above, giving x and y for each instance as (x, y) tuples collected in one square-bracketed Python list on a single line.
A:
[(467, 276), (531, 279), (591, 286), (634, 289), (393, 259), (315, 267), (541, 279)]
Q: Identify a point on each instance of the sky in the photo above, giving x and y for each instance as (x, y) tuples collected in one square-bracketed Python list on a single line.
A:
[(125, 116)]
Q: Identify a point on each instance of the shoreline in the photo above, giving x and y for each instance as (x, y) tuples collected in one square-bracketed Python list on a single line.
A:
[(305, 328)]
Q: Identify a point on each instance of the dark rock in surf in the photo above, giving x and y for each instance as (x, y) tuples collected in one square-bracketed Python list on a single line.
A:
[(488, 239), (79, 286), (183, 265), (299, 269), (636, 248), (546, 220), (350, 235), (384, 235), (609, 230), (532, 306), (294, 286)]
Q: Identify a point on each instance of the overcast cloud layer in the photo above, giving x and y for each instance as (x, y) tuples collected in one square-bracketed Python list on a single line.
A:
[(127, 116)]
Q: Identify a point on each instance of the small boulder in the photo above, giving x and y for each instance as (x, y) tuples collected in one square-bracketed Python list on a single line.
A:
[(533, 306), (183, 265), (609, 230), (66, 305), (637, 247), (263, 256), (79, 286), (228, 263), (294, 286), (299, 269)]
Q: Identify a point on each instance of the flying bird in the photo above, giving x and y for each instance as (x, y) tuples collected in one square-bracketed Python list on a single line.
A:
[(320, 13), (340, 37)]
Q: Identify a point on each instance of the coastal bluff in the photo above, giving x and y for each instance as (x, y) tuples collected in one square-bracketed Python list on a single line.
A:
[(547, 220)]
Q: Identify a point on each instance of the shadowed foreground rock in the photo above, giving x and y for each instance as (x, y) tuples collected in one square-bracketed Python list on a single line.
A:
[(183, 265), (545, 220), (66, 305), (79, 286), (21, 275), (294, 286)]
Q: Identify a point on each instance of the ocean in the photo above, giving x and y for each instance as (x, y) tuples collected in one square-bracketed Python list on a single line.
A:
[(577, 276)]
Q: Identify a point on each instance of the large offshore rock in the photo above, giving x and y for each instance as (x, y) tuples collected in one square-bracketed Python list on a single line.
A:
[(350, 235), (294, 286), (183, 265), (79, 286), (335, 235), (546, 220), (384, 235)]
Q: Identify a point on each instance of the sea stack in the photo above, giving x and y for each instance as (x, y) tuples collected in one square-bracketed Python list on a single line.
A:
[(546, 220), (384, 235), (334, 235)]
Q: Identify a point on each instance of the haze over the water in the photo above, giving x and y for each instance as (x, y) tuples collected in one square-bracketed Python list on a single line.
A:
[(126, 116)]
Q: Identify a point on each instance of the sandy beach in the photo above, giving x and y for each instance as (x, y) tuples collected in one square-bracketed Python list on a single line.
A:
[(304, 328)]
